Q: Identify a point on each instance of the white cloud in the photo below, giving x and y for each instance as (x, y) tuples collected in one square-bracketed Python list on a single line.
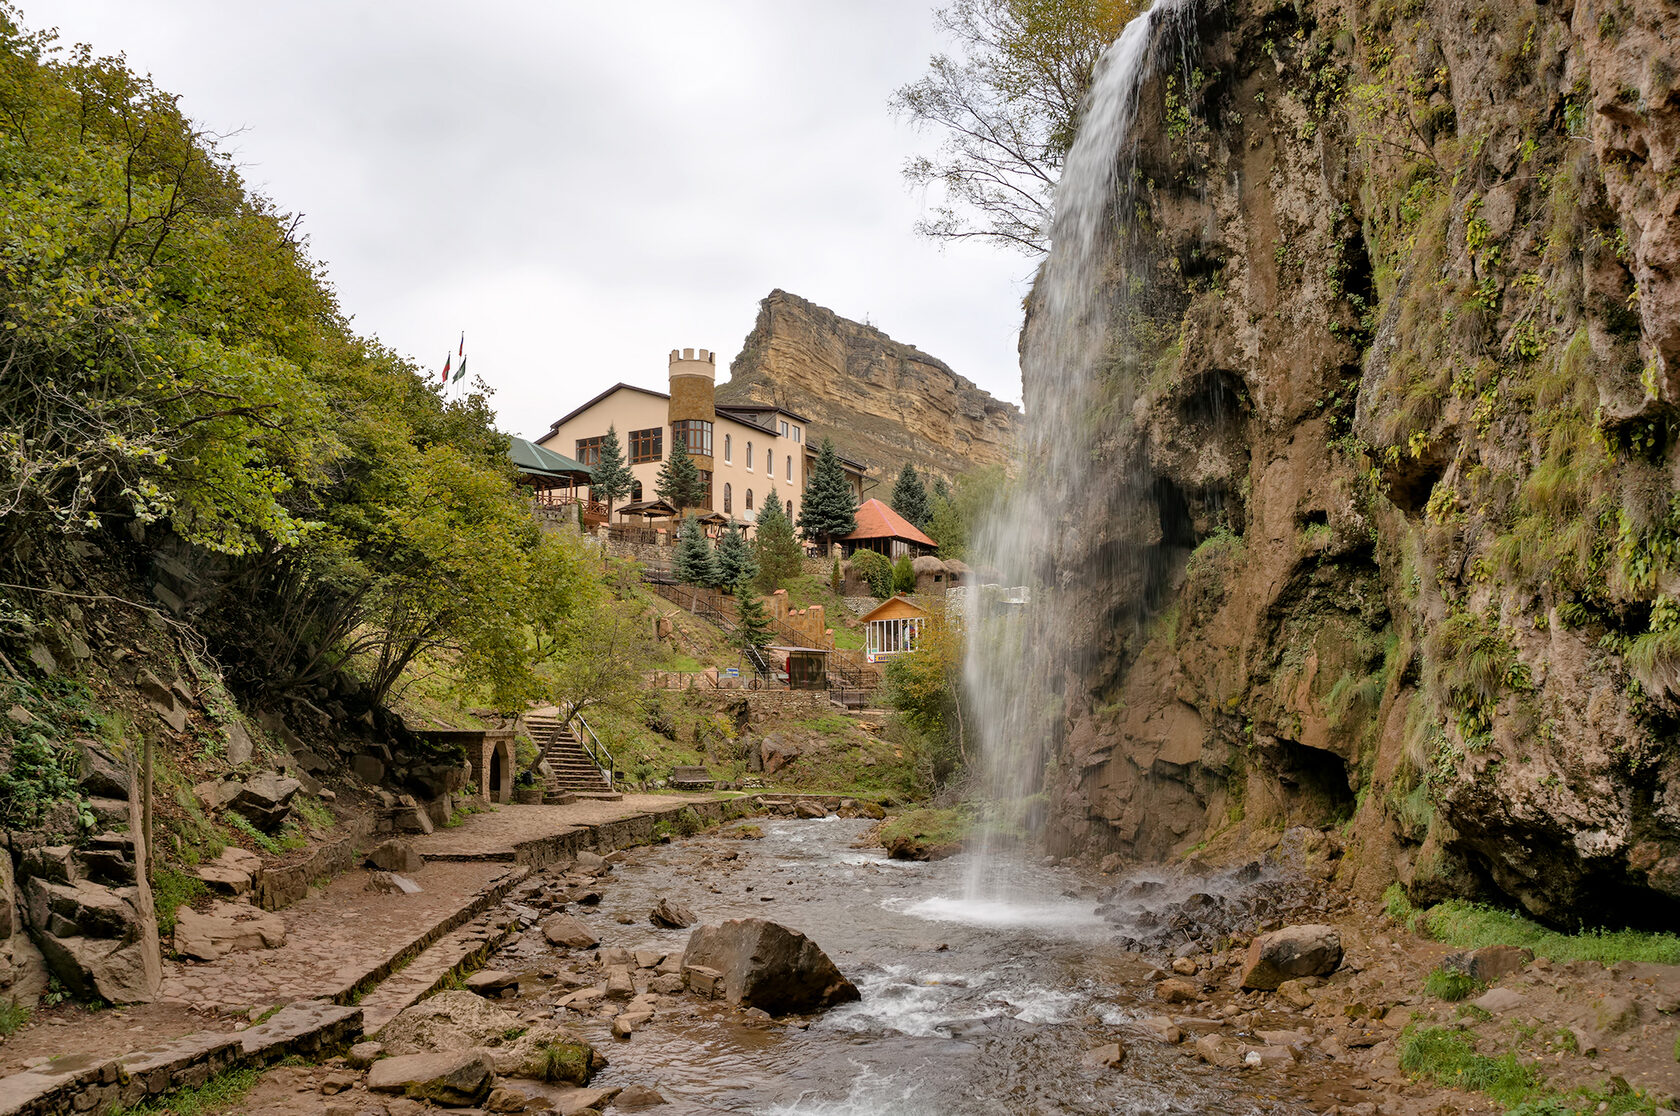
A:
[(581, 187)]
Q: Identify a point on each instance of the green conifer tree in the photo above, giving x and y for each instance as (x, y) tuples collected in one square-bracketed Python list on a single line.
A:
[(736, 566), (828, 509), (612, 477), (778, 553), (835, 580), (695, 563), (941, 490), (904, 574), (752, 622), (910, 499), (678, 483)]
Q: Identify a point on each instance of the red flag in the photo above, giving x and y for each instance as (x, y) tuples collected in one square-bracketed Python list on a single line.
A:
[(446, 361), (462, 351)]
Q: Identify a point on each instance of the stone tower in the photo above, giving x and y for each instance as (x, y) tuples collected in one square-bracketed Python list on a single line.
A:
[(693, 382)]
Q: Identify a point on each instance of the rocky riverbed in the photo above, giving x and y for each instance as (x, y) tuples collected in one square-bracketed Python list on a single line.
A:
[(1067, 990)]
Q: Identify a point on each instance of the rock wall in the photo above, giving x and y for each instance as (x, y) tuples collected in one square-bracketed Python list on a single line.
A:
[(1391, 537), (883, 402)]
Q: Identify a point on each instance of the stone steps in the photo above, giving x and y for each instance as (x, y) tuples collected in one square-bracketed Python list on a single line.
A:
[(454, 955)]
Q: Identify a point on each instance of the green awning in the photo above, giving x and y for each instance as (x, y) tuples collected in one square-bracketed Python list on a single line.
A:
[(528, 457)]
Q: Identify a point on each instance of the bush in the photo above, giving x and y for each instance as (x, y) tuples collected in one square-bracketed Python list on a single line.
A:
[(904, 575), (874, 571), (1451, 985)]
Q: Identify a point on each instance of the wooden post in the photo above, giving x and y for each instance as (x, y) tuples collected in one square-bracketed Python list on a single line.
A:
[(146, 799)]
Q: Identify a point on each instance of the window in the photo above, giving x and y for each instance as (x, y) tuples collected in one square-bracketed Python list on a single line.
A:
[(728, 508), (706, 487), (749, 459), (589, 450), (646, 445), (769, 464), (783, 430), (728, 453), (695, 434), (790, 467), (636, 490), (790, 509), (796, 433), (749, 499)]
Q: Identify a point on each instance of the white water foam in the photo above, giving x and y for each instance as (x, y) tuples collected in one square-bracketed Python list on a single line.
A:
[(1062, 917)]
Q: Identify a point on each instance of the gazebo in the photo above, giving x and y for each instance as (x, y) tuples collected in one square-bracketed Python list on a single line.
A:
[(554, 479), (892, 627), (645, 509), (883, 530)]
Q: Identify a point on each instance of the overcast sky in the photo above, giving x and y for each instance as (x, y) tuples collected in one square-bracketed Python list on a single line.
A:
[(582, 187)]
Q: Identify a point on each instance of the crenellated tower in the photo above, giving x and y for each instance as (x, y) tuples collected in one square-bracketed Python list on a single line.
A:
[(693, 411)]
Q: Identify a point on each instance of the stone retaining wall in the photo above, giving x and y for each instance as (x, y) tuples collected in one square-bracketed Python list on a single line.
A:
[(281, 887)]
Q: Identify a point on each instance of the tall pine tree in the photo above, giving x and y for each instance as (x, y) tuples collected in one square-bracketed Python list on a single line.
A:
[(736, 566), (777, 551), (695, 563), (752, 622), (828, 509), (612, 477), (910, 499), (678, 483)]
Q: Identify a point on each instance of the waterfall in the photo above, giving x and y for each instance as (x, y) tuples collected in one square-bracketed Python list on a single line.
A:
[(1018, 648)]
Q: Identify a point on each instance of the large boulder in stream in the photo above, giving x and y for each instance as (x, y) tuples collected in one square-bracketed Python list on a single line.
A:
[(1294, 951), (765, 965)]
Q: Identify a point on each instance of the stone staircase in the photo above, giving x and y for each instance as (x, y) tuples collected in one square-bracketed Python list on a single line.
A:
[(574, 773)]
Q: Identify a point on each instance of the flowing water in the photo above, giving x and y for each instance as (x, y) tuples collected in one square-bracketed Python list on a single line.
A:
[(1018, 645), (968, 1006)]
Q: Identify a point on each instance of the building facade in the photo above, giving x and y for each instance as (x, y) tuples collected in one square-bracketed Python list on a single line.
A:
[(742, 451)]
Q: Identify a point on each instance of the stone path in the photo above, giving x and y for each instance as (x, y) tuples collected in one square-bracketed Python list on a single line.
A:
[(497, 831)]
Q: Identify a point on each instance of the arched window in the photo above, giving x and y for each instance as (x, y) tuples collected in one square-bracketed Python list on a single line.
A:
[(790, 467), (790, 509), (749, 499), (635, 490), (769, 464), (749, 455), (726, 450), (726, 505)]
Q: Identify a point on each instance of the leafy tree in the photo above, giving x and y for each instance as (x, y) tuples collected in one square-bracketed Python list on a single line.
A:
[(610, 644), (752, 621), (927, 688), (875, 571), (612, 477), (695, 563), (1007, 106), (736, 565), (678, 482), (904, 575), (957, 514), (777, 552), (909, 498), (827, 510)]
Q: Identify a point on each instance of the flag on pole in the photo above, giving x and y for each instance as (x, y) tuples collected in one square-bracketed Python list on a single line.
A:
[(462, 370), (462, 351), (446, 361)]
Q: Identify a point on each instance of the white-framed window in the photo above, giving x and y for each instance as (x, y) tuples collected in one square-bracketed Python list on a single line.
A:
[(749, 457), (783, 431), (769, 464), (796, 433), (728, 451), (749, 499)]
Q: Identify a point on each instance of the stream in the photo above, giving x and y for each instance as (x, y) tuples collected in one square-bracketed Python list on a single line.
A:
[(969, 1006)]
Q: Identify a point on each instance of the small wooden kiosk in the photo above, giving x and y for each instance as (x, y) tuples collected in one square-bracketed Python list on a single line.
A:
[(892, 627)]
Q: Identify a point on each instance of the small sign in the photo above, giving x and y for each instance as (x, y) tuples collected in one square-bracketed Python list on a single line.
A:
[(733, 672)]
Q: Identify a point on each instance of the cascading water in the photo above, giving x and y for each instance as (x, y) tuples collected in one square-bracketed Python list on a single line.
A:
[(1019, 653)]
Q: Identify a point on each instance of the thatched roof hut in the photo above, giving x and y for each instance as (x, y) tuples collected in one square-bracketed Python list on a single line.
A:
[(956, 571), (931, 575)]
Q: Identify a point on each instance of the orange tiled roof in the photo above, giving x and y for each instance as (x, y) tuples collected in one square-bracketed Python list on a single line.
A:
[(876, 520)]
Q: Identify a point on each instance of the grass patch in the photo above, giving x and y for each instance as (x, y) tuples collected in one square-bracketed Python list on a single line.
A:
[(947, 825), (1447, 1057), (565, 1061), (172, 889), (214, 1096), (1472, 925), (13, 1015), (1451, 985)]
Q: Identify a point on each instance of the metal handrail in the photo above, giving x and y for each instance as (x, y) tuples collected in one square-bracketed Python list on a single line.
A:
[(596, 753)]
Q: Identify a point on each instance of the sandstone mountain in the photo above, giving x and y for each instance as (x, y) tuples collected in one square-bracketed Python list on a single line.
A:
[(883, 402)]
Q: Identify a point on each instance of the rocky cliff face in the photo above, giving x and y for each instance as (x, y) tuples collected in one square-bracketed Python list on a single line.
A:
[(883, 403), (1407, 451)]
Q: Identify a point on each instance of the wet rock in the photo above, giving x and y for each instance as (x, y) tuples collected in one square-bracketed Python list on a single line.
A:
[(638, 1097), (1489, 963), (492, 982), (590, 862), (1220, 1051), (1108, 1056), (1162, 1028), (703, 980), (503, 1099), (766, 965), (672, 916), (460, 1020), (810, 809), (1174, 991), (395, 856), (457, 1079), (666, 984), (619, 984), (1294, 951), (226, 928), (265, 800), (567, 930)]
